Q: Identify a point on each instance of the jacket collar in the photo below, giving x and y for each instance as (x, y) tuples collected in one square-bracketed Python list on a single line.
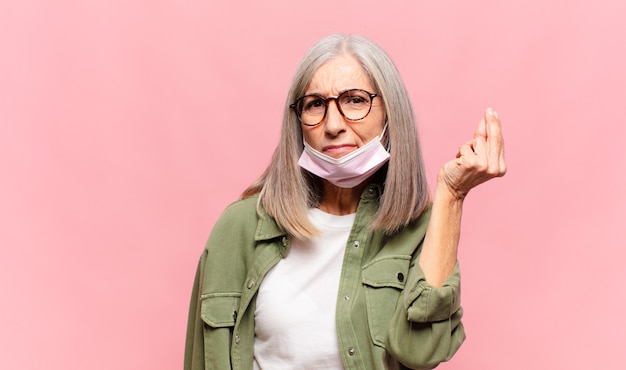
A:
[(268, 229)]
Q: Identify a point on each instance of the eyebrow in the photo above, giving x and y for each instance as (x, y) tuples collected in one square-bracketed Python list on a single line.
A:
[(340, 92)]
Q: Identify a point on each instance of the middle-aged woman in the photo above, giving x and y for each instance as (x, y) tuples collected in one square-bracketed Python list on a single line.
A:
[(336, 258)]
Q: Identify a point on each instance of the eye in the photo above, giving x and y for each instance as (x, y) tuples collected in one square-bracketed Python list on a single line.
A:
[(355, 99), (312, 103)]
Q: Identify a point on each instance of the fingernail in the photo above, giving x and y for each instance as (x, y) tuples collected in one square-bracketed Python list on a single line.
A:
[(492, 112)]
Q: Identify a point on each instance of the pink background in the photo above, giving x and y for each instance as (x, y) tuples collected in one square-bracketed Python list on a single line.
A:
[(127, 126)]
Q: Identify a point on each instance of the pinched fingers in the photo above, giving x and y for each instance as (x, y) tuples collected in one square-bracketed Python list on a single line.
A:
[(479, 159)]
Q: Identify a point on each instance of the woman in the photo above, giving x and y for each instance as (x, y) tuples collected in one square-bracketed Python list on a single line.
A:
[(336, 257)]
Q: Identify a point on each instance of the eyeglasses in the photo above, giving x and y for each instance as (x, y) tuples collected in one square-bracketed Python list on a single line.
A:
[(353, 104)]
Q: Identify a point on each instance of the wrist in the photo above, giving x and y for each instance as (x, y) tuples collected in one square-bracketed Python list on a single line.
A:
[(444, 193)]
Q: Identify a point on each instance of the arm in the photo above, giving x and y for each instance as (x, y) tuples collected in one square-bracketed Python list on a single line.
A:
[(426, 328), (477, 161)]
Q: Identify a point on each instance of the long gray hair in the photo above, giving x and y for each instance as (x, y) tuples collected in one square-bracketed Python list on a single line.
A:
[(286, 191)]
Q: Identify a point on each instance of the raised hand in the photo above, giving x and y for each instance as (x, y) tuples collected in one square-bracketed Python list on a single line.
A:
[(478, 160)]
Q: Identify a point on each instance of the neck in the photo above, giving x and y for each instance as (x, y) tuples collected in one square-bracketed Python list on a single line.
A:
[(340, 201)]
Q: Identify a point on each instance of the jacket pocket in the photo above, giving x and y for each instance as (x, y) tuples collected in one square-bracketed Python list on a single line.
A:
[(219, 314), (384, 279), (220, 310)]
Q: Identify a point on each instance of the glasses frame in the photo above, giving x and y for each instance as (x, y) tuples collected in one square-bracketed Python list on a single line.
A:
[(326, 101)]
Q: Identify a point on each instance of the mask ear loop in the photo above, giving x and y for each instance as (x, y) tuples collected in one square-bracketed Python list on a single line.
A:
[(382, 136)]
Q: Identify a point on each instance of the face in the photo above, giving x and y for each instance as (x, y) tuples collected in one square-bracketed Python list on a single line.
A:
[(336, 136)]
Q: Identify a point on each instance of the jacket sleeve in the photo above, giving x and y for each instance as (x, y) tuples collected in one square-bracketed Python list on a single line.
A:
[(426, 327), (194, 343), (217, 288)]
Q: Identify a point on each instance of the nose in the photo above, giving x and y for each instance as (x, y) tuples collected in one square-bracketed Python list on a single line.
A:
[(334, 123)]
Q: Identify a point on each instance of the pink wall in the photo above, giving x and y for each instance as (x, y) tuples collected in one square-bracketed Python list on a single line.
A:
[(124, 132)]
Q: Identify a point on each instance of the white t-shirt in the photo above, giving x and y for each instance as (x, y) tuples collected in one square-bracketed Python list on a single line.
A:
[(295, 307)]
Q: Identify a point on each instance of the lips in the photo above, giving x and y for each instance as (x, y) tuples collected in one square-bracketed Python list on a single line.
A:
[(341, 149)]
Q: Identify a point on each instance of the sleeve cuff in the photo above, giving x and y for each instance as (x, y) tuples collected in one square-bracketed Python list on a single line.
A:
[(425, 303)]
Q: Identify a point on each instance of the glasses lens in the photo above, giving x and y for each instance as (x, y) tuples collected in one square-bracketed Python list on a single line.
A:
[(355, 104), (312, 109)]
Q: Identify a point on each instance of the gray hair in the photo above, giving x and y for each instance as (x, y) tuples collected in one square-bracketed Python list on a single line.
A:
[(286, 191)]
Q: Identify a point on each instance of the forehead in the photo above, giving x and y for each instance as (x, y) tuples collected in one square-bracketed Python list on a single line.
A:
[(337, 75)]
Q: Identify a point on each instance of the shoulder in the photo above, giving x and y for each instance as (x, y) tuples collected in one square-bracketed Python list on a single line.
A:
[(240, 213), (237, 217)]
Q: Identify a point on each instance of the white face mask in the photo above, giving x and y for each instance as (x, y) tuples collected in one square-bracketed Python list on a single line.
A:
[(351, 169)]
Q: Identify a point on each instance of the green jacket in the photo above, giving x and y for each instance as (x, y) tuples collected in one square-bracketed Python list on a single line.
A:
[(388, 317)]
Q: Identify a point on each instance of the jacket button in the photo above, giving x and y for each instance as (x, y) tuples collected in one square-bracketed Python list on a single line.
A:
[(351, 351), (237, 339), (356, 244), (400, 277), (284, 241), (251, 283)]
